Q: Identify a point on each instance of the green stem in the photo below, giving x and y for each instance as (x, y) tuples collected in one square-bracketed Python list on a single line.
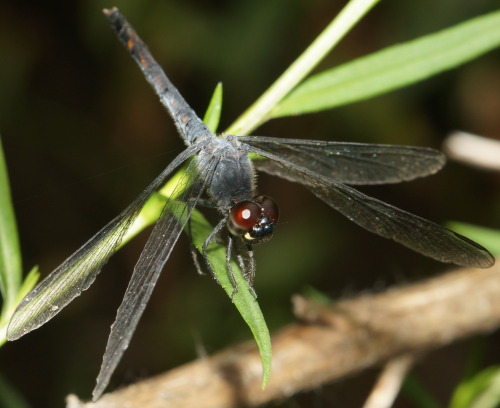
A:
[(258, 112)]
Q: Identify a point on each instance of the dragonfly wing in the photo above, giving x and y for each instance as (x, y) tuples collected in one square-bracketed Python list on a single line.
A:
[(167, 230), (416, 233), (79, 271), (349, 163)]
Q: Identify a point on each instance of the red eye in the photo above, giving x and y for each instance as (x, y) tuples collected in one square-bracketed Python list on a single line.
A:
[(270, 208), (245, 214)]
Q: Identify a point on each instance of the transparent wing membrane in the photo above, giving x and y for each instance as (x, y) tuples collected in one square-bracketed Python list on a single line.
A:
[(158, 248), (350, 163), (78, 272), (416, 233)]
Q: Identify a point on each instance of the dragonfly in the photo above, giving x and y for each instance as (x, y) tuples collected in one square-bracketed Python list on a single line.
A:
[(220, 171)]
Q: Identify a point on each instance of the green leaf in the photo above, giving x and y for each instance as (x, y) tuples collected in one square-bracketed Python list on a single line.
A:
[(10, 253), (243, 298), (28, 284), (394, 67), (480, 391), (212, 115)]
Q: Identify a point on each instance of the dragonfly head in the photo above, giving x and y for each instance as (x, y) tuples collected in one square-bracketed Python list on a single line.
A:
[(253, 220)]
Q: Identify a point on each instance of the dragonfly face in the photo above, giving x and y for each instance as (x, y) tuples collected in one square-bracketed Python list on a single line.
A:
[(253, 220)]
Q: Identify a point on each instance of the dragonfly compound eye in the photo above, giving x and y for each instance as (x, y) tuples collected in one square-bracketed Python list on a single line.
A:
[(244, 216), (270, 208), (254, 220)]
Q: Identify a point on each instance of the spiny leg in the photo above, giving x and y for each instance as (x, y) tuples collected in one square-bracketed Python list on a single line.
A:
[(207, 242), (250, 274), (241, 263), (229, 248), (194, 252), (247, 268), (248, 271)]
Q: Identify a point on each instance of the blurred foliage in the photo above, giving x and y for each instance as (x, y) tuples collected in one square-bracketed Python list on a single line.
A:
[(480, 391)]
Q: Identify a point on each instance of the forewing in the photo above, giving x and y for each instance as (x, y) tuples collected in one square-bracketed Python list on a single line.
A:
[(78, 272), (350, 163), (149, 266), (422, 236)]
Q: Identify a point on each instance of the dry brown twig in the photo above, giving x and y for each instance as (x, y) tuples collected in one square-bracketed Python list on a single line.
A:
[(334, 342), (389, 383), (473, 150)]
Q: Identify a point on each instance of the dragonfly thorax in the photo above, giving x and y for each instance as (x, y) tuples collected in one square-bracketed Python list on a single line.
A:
[(233, 176)]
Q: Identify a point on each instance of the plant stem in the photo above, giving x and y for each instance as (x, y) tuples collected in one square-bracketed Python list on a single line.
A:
[(258, 112)]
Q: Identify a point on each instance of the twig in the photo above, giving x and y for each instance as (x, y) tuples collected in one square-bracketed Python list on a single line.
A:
[(473, 150), (387, 387), (334, 342)]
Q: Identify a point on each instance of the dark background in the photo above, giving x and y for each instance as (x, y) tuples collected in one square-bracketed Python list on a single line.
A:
[(83, 134)]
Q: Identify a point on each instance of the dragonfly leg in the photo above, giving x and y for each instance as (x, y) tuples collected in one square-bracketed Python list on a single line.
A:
[(229, 248), (250, 273), (194, 253), (205, 203), (247, 267), (207, 242)]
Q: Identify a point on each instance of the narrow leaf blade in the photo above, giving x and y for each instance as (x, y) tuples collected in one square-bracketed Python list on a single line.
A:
[(243, 299), (212, 115), (10, 253), (394, 67)]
